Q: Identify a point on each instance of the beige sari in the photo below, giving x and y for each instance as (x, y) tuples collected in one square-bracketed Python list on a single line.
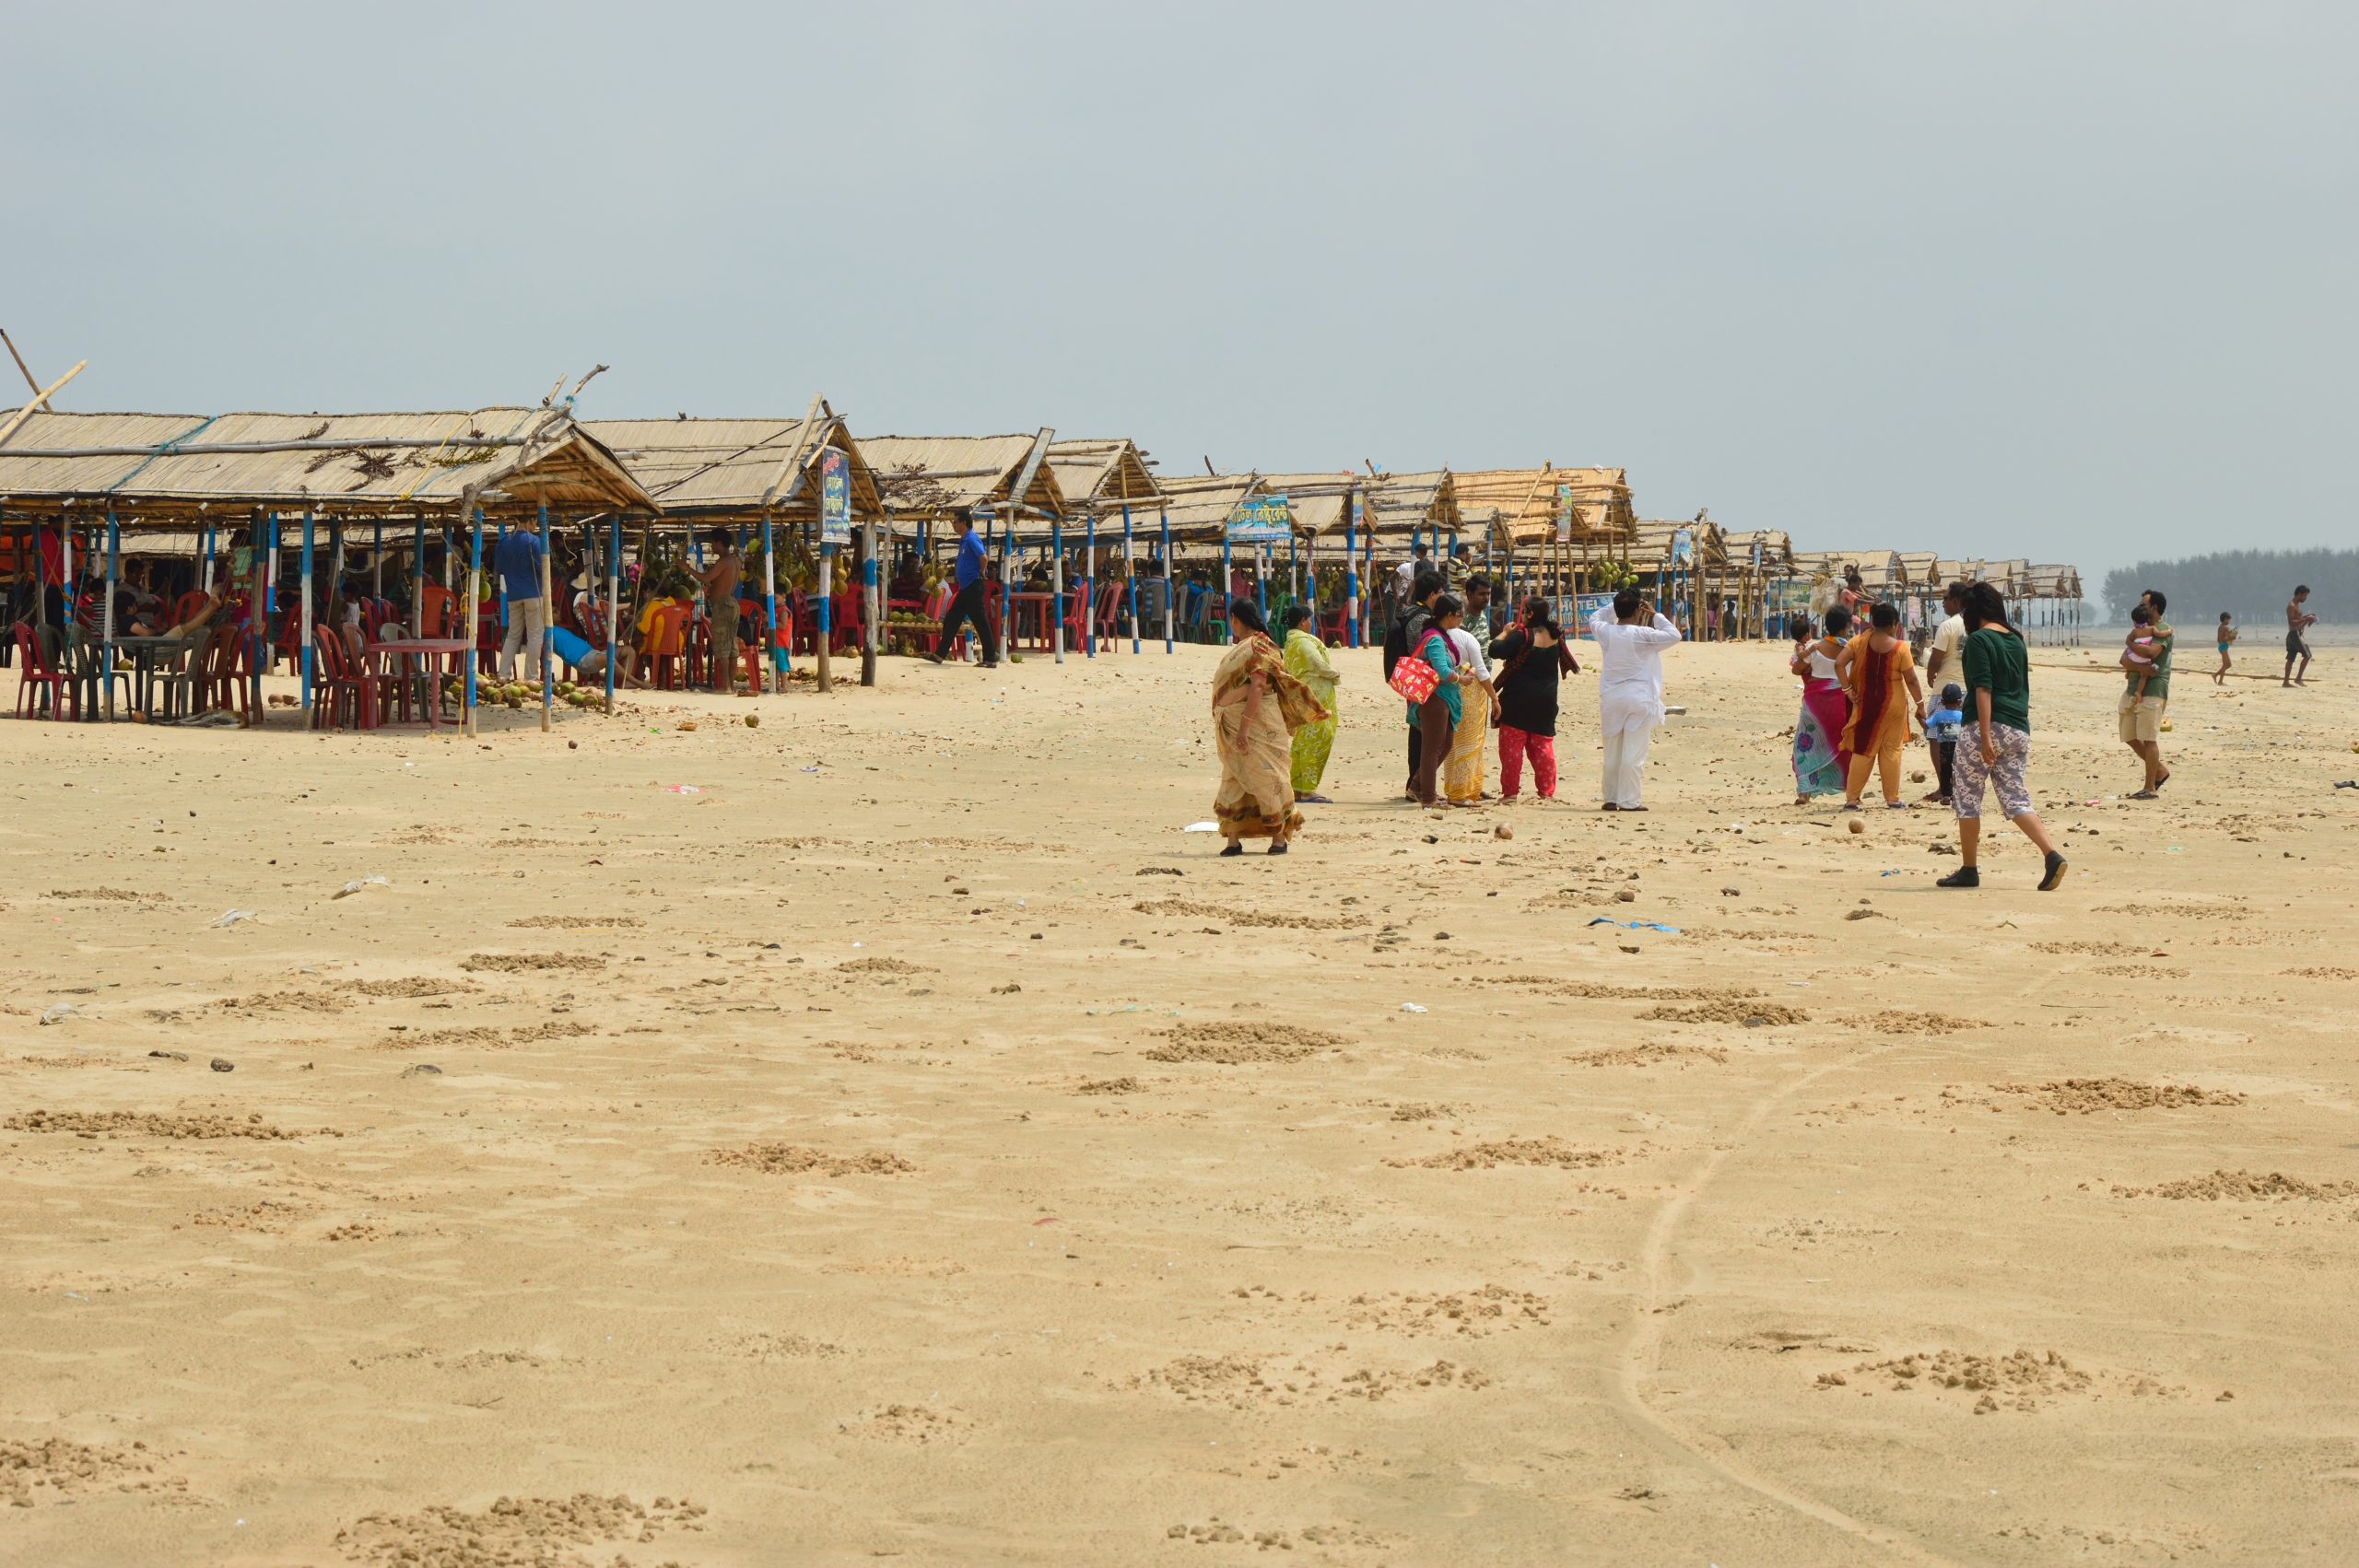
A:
[(1462, 775), (1257, 707)]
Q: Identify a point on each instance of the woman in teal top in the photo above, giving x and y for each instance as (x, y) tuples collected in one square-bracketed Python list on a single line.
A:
[(1438, 715)]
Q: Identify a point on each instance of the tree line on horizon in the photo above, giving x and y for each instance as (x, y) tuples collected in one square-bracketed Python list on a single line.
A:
[(2252, 585)]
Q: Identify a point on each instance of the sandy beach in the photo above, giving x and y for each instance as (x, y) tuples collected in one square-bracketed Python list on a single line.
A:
[(885, 1134)]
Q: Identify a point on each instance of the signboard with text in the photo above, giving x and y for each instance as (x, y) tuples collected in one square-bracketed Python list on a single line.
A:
[(1260, 520)]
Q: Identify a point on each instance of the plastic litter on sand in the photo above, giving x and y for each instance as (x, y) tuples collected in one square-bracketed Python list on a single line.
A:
[(1202, 827), (233, 917), (1411, 1007), (1636, 925), (690, 788), (349, 888)]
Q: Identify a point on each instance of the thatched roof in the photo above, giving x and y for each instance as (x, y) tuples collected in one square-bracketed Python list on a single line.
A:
[(1878, 568), (1321, 503), (1199, 505), (1777, 550), (945, 477), (1101, 475), (2056, 581), (1522, 502), (721, 466), (1921, 570), (1650, 541), (154, 465)]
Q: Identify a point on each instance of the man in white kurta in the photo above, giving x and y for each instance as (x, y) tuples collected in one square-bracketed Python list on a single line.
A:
[(1630, 635)]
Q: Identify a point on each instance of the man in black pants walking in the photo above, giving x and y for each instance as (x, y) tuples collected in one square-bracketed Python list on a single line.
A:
[(1401, 639), (968, 604)]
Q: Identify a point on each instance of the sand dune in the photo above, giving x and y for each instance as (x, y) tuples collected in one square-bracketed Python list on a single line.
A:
[(912, 1146)]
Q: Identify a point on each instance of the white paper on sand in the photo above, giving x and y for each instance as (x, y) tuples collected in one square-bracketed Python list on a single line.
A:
[(1202, 827)]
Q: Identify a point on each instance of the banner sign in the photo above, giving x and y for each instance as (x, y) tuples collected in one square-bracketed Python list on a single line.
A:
[(1563, 514), (1572, 612), (1260, 520), (835, 498), (1359, 512), (1683, 547)]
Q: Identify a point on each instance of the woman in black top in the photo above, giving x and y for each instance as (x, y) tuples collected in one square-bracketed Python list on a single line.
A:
[(1528, 660)]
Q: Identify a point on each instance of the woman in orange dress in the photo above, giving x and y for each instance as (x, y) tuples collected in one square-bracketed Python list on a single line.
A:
[(1876, 669)]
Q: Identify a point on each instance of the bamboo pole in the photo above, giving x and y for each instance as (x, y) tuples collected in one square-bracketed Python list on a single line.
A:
[(38, 400)]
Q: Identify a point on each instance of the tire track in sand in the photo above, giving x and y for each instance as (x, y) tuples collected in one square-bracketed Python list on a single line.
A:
[(1644, 1346)]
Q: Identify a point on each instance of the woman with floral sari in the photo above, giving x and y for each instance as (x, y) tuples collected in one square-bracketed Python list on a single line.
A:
[(1257, 707), (1307, 662), (1822, 766)]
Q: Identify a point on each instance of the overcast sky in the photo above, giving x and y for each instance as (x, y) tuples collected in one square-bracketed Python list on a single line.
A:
[(2070, 281)]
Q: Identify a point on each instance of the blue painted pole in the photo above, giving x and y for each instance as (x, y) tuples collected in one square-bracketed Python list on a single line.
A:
[(1130, 577), (770, 597), (417, 579), (1089, 594), (1170, 610), (467, 618), (548, 623), (306, 656), (105, 615), (1056, 580), (1261, 579), (615, 597), (1351, 572), (1226, 580)]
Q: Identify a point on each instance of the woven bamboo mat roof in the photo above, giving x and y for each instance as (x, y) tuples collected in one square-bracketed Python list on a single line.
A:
[(951, 475), (155, 466), (1650, 541), (1522, 502), (1102, 474), (1199, 503), (730, 465), (1777, 549), (1320, 503)]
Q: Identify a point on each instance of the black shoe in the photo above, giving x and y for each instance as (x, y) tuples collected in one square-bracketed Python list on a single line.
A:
[(934, 658), (2055, 876), (1277, 848), (1234, 848), (1608, 806), (988, 664), (1965, 876)]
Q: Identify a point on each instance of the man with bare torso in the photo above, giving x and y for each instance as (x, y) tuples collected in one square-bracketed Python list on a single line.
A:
[(719, 581), (2298, 620)]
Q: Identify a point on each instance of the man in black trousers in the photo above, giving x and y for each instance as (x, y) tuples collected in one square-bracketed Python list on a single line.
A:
[(968, 604)]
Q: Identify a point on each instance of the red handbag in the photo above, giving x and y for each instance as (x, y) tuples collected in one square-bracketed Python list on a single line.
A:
[(1413, 678)]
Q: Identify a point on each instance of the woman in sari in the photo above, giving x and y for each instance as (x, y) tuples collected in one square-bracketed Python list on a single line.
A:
[(1877, 669), (1470, 733), (1821, 765), (1436, 719), (1257, 707), (1307, 662)]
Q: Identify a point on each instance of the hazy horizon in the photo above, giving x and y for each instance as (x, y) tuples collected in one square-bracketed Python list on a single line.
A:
[(2006, 280)]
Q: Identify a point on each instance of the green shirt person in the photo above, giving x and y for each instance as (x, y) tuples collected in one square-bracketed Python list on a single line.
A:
[(1995, 751)]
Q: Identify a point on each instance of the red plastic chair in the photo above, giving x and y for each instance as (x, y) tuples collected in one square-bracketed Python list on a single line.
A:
[(336, 687), (34, 672), (435, 600), (188, 605), (226, 679)]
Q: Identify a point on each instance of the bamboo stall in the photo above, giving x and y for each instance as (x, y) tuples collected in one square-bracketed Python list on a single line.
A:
[(1102, 480), (931, 484), (761, 479), (90, 475)]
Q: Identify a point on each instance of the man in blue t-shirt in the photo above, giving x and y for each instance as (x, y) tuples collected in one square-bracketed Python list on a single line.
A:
[(967, 604), (518, 561)]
